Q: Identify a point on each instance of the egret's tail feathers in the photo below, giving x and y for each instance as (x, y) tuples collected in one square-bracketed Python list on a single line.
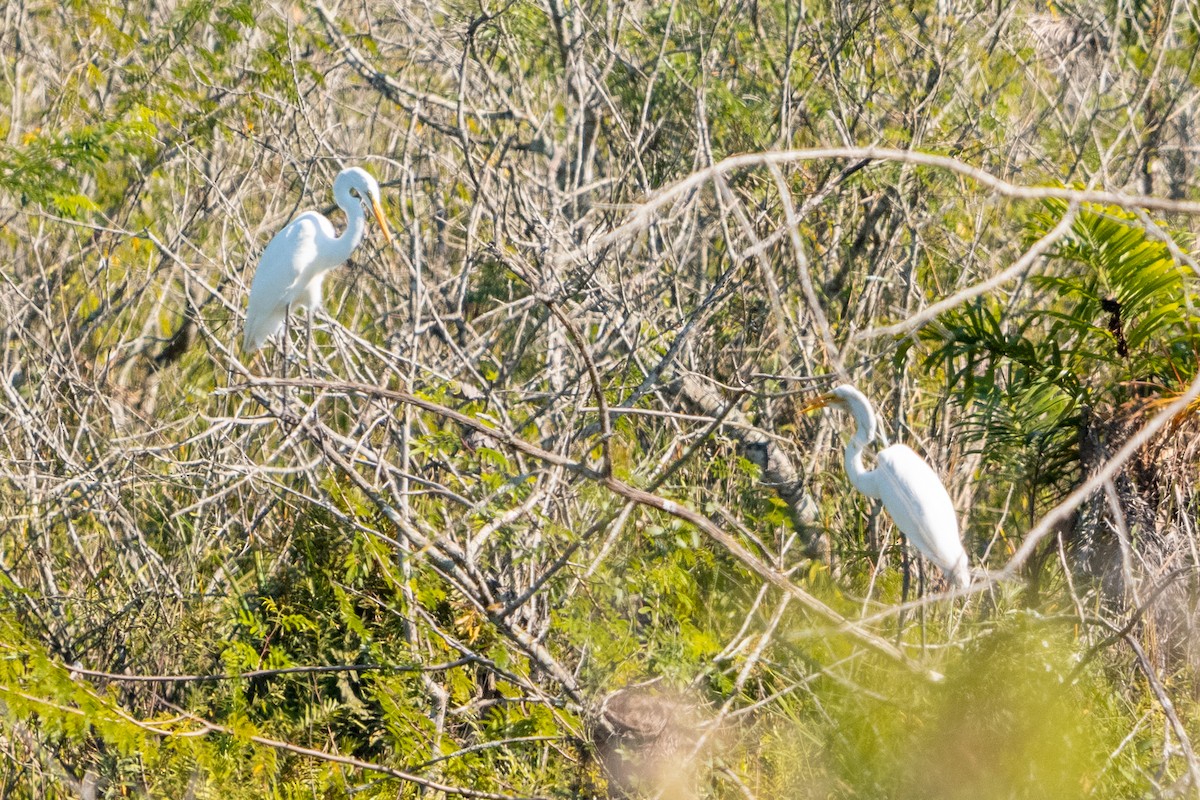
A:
[(960, 574), (252, 341), (259, 330)]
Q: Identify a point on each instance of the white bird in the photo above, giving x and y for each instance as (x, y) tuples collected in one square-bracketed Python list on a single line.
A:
[(909, 488), (296, 259)]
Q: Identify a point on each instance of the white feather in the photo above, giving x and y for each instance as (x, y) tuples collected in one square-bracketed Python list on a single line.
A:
[(294, 263), (921, 507)]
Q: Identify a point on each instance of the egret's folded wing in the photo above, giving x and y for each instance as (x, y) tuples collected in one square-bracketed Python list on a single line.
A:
[(915, 497), (276, 281)]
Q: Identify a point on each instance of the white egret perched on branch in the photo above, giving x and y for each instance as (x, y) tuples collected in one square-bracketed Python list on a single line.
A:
[(909, 488), (296, 259)]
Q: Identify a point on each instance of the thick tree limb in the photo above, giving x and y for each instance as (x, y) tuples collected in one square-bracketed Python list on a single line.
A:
[(778, 471)]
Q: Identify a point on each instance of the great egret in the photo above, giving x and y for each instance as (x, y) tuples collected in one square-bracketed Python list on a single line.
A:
[(909, 488), (296, 259)]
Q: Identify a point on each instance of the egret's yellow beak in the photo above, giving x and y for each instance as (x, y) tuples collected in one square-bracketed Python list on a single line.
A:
[(817, 402), (380, 219)]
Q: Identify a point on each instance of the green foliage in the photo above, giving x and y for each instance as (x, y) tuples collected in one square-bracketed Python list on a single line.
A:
[(1012, 719), (1114, 318)]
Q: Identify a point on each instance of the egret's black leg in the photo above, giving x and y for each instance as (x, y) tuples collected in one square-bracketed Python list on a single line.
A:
[(284, 351), (921, 593), (283, 341), (308, 341), (905, 585)]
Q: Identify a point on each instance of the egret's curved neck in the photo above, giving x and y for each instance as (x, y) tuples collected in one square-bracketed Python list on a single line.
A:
[(356, 225), (864, 419), (860, 477)]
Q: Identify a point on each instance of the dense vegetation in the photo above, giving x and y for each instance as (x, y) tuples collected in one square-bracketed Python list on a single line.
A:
[(529, 511)]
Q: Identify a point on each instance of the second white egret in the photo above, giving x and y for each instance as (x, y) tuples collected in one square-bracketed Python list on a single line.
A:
[(295, 261), (909, 488)]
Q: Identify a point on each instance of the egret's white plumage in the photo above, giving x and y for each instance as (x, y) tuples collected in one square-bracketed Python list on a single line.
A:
[(909, 488), (295, 261)]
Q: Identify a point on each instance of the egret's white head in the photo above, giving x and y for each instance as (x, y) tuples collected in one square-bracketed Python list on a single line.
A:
[(358, 184), (847, 398)]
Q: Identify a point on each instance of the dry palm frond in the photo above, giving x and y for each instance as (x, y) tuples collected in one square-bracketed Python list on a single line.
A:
[(1066, 39)]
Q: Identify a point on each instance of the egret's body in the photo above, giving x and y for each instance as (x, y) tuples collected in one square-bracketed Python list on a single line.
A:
[(909, 488), (295, 261)]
